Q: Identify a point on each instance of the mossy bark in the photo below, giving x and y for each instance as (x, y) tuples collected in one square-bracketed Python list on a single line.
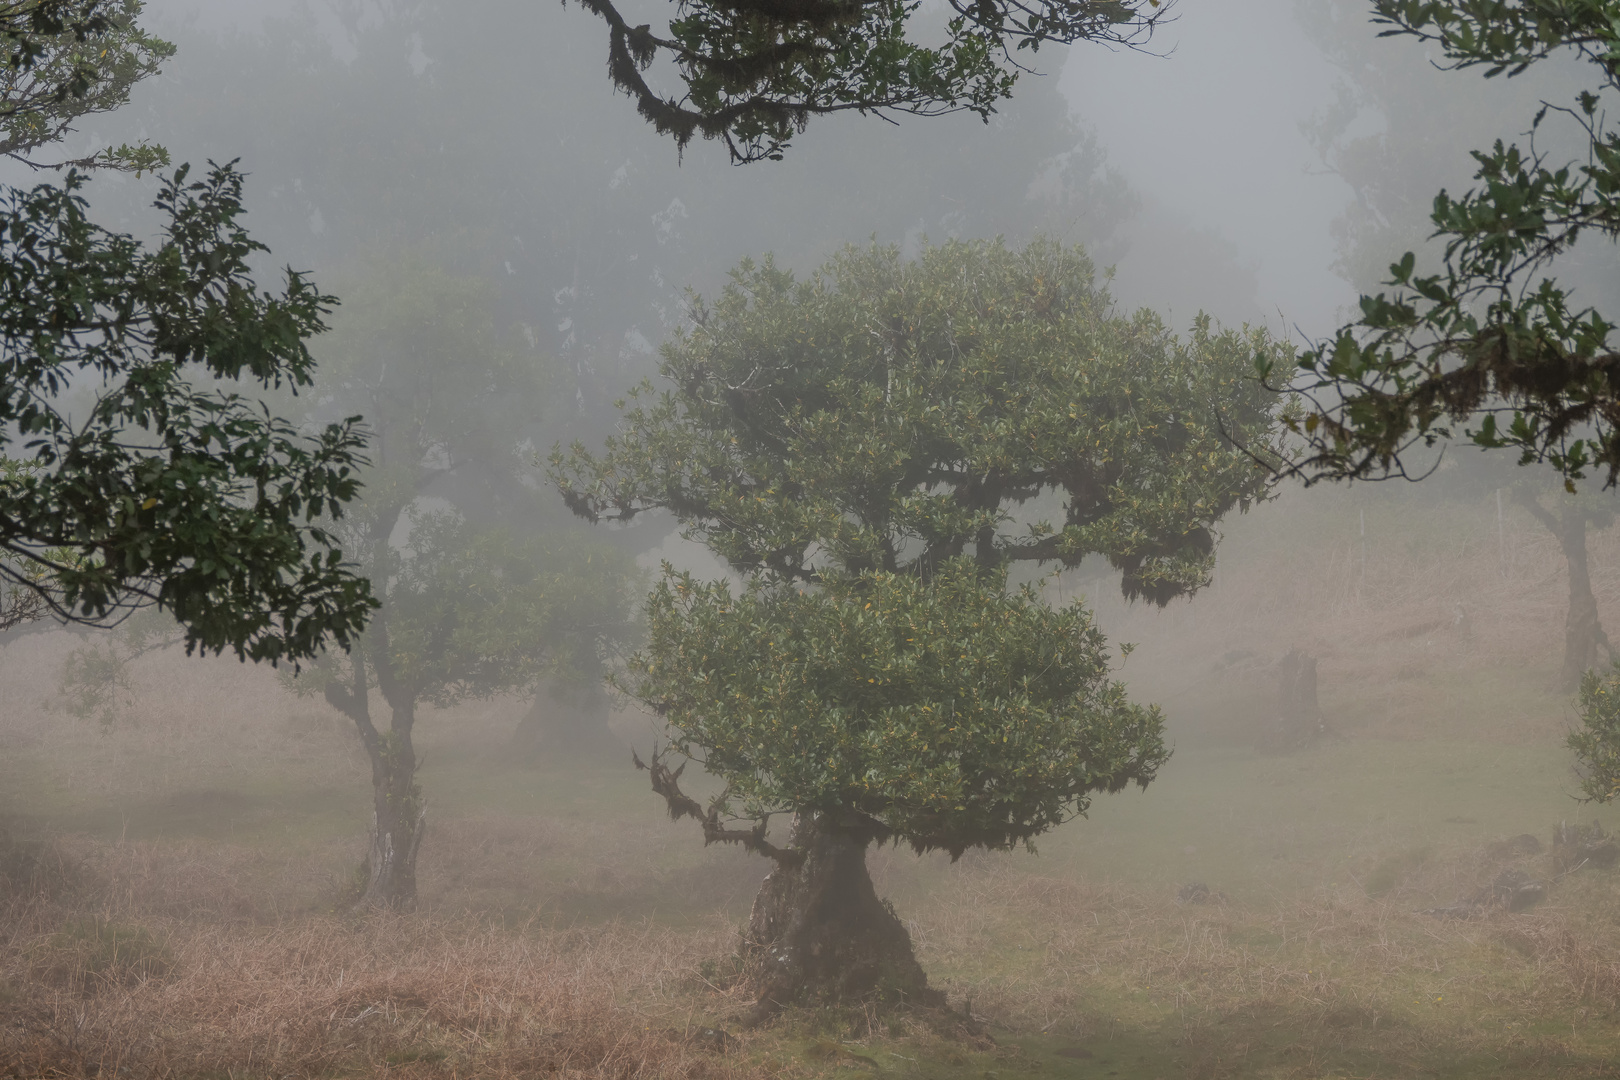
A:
[(820, 933), (398, 822)]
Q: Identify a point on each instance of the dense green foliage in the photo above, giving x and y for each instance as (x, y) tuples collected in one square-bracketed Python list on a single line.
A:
[(64, 59), (891, 415), (948, 712), (124, 484), (752, 74), (873, 449), (196, 499), (1597, 742), (1492, 348)]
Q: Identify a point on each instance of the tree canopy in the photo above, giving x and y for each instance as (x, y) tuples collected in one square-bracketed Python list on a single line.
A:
[(752, 74), (892, 415), (872, 451), (946, 713), (1491, 348), (124, 483), (197, 499)]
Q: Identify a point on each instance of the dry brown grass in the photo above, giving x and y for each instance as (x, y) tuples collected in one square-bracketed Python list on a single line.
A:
[(1335, 967), (314, 994), (568, 931), (248, 987)]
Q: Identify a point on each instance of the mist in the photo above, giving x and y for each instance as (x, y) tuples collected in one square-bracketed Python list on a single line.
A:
[(1366, 848)]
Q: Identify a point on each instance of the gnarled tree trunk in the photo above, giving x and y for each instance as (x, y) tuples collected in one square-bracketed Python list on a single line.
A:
[(819, 932)]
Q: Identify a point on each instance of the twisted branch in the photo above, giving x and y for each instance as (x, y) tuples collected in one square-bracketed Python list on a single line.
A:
[(666, 782)]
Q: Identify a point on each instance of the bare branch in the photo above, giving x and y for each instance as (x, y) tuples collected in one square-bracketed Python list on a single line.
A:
[(666, 782)]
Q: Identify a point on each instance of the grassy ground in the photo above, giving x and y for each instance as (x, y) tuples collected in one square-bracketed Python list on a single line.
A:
[(167, 909)]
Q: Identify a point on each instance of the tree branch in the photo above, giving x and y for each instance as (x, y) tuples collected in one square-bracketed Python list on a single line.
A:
[(666, 782), (1527, 499)]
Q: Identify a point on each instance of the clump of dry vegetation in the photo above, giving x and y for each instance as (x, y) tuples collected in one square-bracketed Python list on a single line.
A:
[(138, 963), (139, 991), (1325, 958)]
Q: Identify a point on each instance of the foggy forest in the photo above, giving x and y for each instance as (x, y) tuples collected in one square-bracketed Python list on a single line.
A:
[(747, 539)]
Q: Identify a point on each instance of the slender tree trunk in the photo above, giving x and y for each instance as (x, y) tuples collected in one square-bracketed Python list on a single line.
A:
[(819, 932), (1583, 633), (398, 813)]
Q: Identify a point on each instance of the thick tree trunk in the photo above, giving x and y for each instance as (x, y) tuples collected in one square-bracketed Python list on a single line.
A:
[(569, 720), (819, 932), (1583, 633)]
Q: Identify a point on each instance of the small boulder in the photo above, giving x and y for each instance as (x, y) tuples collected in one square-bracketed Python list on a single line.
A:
[(1512, 889), (1196, 892), (715, 1040)]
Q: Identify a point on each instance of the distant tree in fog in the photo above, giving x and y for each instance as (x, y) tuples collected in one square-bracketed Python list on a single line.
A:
[(468, 611), (454, 143), (1568, 520), (1496, 347), (873, 451), (474, 601), (752, 75)]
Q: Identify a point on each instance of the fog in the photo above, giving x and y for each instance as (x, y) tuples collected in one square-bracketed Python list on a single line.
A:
[(1203, 129), (512, 246)]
